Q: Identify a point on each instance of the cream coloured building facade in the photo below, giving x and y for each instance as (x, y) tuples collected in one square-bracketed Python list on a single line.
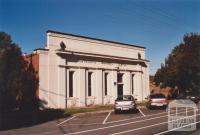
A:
[(77, 71)]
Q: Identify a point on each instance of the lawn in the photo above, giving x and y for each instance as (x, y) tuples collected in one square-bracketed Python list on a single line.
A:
[(88, 109)]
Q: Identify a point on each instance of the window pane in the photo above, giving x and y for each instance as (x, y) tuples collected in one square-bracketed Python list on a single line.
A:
[(106, 80), (71, 74), (132, 84), (89, 83)]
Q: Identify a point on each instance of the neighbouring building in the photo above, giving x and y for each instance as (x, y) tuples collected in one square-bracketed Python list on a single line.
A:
[(76, 71)]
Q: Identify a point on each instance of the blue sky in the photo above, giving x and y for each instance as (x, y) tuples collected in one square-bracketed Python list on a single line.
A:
[(159, 25)]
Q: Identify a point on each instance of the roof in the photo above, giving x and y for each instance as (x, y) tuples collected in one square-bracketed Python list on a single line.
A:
[(51, 31)]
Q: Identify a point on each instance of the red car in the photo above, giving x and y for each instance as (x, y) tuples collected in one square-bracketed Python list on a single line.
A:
[(156, 100)]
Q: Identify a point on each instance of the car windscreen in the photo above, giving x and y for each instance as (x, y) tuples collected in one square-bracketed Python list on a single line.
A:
[(157, 96), (125, 98)]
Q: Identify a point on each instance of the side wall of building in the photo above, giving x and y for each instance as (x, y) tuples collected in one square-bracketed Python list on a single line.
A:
[(33, 59)]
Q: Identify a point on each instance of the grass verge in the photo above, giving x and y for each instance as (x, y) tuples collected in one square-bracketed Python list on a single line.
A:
[(141, 103), (88, 109)]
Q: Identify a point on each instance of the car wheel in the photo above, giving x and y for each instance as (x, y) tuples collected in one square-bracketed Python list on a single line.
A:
[(150, 107), (196, 102), (116, 111), (135, 110)]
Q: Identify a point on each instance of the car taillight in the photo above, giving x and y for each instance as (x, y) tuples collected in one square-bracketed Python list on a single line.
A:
[(150, 100)]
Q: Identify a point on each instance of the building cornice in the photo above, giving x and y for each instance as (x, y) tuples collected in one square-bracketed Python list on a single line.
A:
[(100, 56)]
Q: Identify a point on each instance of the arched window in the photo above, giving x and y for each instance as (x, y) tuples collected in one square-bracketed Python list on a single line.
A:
[(139, 56)]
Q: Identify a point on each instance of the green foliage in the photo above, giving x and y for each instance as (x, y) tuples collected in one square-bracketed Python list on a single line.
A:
[(29, 99), (17, 79), (182, 66)]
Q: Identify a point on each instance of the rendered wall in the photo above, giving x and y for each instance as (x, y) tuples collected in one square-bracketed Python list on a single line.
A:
[(54, 66)]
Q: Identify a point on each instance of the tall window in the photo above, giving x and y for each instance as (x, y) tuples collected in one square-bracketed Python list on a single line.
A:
[(119, 84), (106, 83), (132, 83), (71, 77), (89, 83)]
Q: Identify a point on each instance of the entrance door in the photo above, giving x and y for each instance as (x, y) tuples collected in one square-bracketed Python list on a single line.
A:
[(119, 90), (119, 84)]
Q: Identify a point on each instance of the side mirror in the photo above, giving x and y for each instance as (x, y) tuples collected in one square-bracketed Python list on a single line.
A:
[(145, 98), (135, 98)]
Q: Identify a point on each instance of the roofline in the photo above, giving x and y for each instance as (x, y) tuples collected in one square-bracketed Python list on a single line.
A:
[(51, 31), (43, 49)]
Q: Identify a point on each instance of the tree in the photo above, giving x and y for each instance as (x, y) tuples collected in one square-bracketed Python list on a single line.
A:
[(17, 79), (29, 100), (181, 67), (11, 65)]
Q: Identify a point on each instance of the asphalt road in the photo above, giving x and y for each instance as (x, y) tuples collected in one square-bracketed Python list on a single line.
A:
[(143, 122)]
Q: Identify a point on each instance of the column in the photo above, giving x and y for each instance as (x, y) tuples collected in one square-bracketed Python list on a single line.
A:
[(127, 83), (82, 87), (62, 87), (99, 86), (113, 86)]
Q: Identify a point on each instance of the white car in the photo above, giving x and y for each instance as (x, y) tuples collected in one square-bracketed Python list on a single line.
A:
[(125, 103)]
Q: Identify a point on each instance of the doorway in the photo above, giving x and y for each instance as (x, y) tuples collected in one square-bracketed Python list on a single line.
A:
[(119, 84), (119, 90)]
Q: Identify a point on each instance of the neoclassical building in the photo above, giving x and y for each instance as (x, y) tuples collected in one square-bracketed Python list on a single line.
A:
[(76, 71)]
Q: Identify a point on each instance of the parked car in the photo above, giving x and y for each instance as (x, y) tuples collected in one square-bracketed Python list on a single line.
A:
[(156, 100), (194, 98), (125, 103)]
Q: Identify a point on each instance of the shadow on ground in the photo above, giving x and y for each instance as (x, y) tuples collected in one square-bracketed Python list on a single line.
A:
[(128, 112), (19, 119), (158, 108)]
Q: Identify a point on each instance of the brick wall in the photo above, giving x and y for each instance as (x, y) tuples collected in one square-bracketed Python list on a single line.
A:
[(34, 59)]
